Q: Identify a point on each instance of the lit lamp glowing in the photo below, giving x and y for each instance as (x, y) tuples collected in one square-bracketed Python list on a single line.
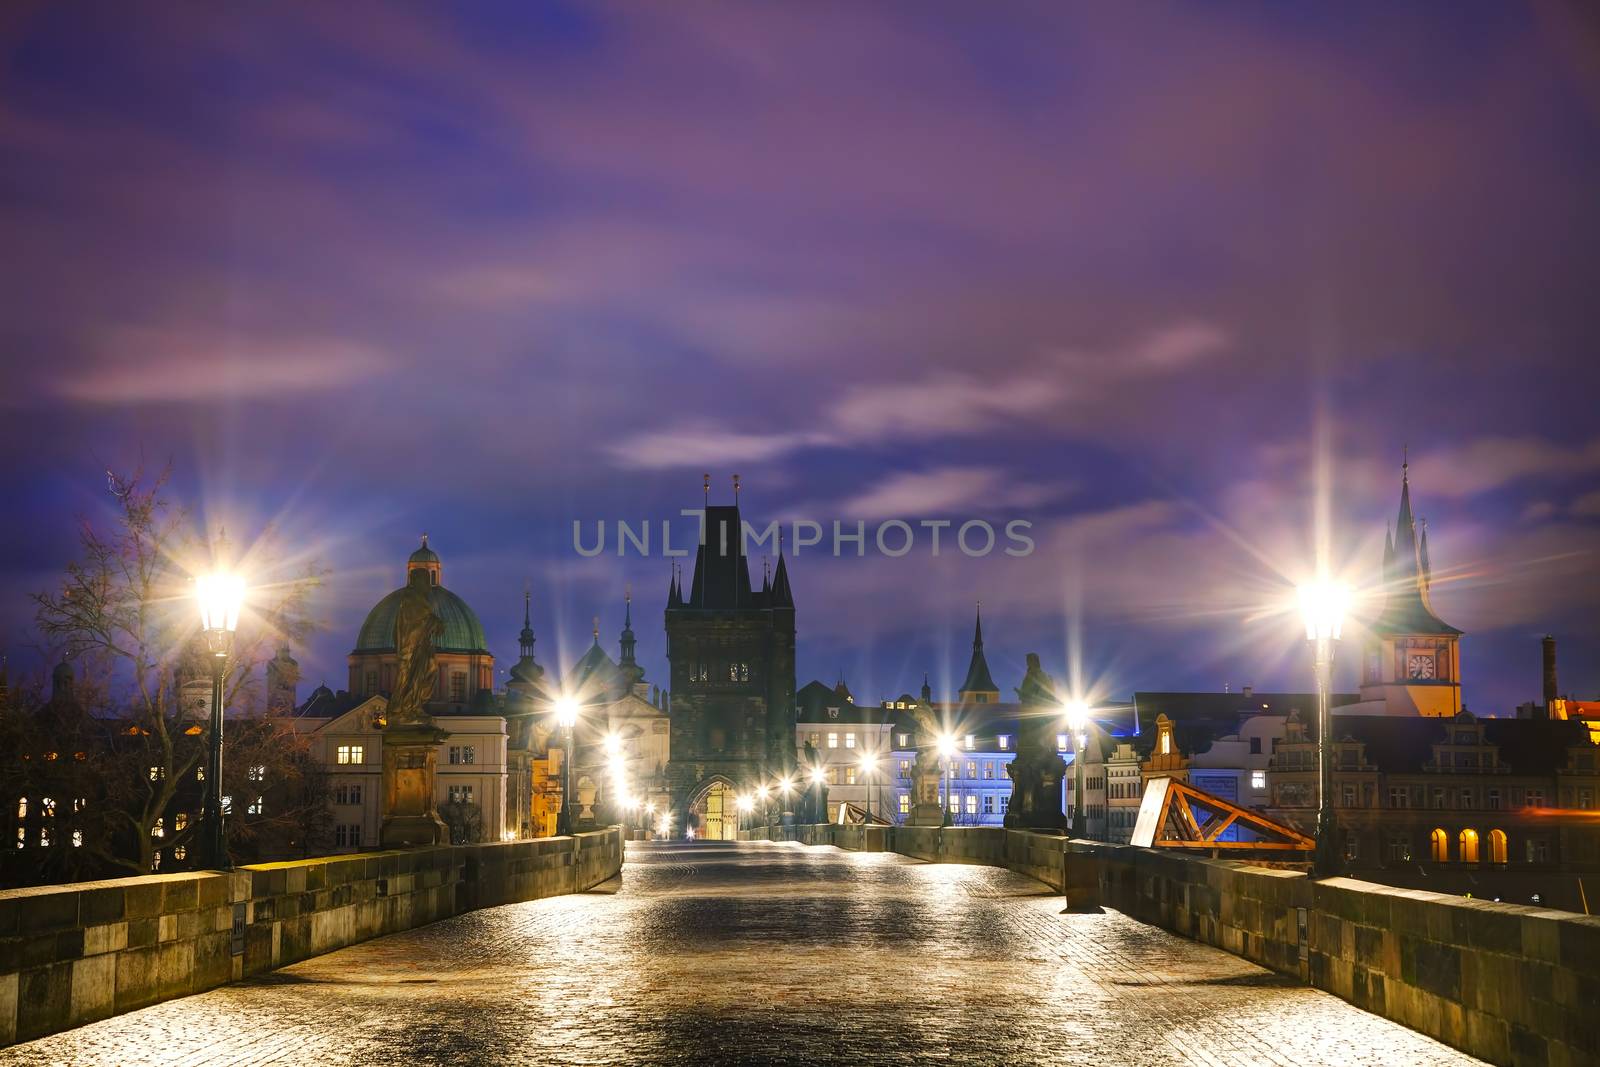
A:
[(566, 718), (869, 763), (220, 596), (1077, 713), (1323, 604), (947, 752)]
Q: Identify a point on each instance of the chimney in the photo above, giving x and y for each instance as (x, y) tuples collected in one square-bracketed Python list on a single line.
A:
[(1550, 690)]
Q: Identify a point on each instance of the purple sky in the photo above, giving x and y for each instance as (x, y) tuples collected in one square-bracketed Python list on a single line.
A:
[(368, 271)]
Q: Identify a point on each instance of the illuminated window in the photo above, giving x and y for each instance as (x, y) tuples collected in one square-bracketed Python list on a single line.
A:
[(258, 773), (351, 754), (1439, 846), (1469, 846), (47, 807), (44, 836), (22, 837), (461, 794), (905, 739), (158, 830), (1497, 846), (833, 739), (227, 803), (1258, 779), (155, 774), (1061, 742), (77, 839), (815, 739), (22, 807), (199, 774), (955, 804), (988, 771), (849, 740), (905, 768), (970, 742), (972, 804), (180, 822), (849, 776), (833, 776), (1005, 742), (155, 861), (255, 807), (905, 804), (462, 753), (972, 769), (79, 803)]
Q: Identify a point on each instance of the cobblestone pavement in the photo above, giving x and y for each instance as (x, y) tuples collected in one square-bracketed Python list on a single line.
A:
[(763, 953)]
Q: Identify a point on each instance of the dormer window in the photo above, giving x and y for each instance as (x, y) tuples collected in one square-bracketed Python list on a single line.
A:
[(1005, 742), (833, 713)]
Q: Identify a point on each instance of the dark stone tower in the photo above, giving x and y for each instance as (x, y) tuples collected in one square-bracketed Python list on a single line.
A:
[(731, 652), (1551, 688)]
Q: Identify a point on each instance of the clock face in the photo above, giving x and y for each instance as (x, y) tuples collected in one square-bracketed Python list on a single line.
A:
[(1420, 667)]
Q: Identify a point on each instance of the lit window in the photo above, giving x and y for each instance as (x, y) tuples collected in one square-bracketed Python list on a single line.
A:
[(22, 837), (158, 830), (972, 803), (988, 771), (1061, 742), (22, 807), (257, 773), (1258, 779), (79, 803), (972, 768), (1005, 742), (199, 774), (155, 773), (849, 740), (833, 739), (905, 768), (180, 822), (905, 804), (955, 804), (227, 804), (255, 807), (849, 776), (44, 836), (970, 742), (77, 839), (905, 739), (351, 754)]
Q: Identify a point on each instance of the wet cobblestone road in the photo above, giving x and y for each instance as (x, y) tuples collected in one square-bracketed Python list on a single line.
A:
[(706, 954)]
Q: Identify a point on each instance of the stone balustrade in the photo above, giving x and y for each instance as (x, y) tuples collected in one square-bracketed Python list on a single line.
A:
[(75, 953), (1510, 984)]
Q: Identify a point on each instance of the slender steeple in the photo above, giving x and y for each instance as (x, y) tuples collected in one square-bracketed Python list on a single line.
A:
[(526, 673), (629, 665), (525, 639), (782, 596), (979, 687), (1407, 574), (674, 590), (927, 690)]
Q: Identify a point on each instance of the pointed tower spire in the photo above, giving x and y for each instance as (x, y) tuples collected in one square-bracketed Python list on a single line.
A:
[(674, 593), (628, 663), (1422, 555), (927, 690), (979, 687), (782, 595)]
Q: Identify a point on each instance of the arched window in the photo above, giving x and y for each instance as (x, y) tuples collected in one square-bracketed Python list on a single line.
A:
[(1439, 843), (1497, 846), (1469, 846)]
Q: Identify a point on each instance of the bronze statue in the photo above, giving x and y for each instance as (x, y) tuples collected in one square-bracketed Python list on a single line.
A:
[(416, 625)]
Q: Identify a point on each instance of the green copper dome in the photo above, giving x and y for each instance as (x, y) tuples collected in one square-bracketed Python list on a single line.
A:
[(462, 630)]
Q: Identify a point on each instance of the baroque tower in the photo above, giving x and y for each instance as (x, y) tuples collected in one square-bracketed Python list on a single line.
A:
[(1411, 663), (731, 652)]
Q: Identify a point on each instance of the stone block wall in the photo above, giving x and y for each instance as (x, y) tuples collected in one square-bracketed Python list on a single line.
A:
[(1510, 984), (76, 953)]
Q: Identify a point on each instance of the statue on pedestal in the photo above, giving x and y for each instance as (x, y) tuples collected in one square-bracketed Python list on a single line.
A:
[(926, 809), (1037, 771), (410, 759)]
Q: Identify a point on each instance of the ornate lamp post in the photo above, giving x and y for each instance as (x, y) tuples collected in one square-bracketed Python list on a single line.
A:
[(869, 764), (947, 752), (1078, 726), (1323, 605), (220, 596), (567, 719)]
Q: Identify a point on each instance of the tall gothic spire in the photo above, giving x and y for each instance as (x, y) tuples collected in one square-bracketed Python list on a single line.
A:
[(979, 680)]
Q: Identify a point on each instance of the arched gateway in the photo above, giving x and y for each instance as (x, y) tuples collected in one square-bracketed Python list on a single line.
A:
[(712, 812)]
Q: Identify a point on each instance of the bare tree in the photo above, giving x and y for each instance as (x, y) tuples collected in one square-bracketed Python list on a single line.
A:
[(124, 613)]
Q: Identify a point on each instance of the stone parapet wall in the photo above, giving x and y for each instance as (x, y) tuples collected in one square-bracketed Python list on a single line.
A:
[(1510, 984), (76, 953)]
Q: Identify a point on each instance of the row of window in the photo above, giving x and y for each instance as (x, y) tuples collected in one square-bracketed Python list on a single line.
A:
[(970, 803)]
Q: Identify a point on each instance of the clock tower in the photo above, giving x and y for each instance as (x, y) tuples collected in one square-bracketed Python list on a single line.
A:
[(1411, 663)]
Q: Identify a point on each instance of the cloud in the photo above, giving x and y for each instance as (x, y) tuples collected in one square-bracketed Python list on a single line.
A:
[(152, 365), (947, 404), (1587, 504), (945, 491)]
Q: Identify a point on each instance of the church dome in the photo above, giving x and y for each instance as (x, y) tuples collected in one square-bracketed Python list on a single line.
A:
[(462, 630)]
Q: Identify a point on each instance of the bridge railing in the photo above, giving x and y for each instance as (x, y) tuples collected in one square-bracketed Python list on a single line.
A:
[(72, 954), (1504, 982)]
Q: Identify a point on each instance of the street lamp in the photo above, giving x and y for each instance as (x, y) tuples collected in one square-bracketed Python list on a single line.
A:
[(746, 805), (1323, 605), (869, 763), (567, 719), (818, 777), (220, 596), (947, 751), (1078, 725)]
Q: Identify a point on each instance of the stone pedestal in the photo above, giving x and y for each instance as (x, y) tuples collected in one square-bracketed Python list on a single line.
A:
[(410, 767), (925, 807)]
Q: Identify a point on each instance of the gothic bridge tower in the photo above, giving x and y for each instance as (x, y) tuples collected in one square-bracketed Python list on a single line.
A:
[(731, 652)]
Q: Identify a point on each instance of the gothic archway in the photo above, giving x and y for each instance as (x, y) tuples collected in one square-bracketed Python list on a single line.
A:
[(711, 811)]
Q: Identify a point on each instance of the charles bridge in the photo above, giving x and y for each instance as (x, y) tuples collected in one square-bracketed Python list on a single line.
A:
[(849, 944)]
